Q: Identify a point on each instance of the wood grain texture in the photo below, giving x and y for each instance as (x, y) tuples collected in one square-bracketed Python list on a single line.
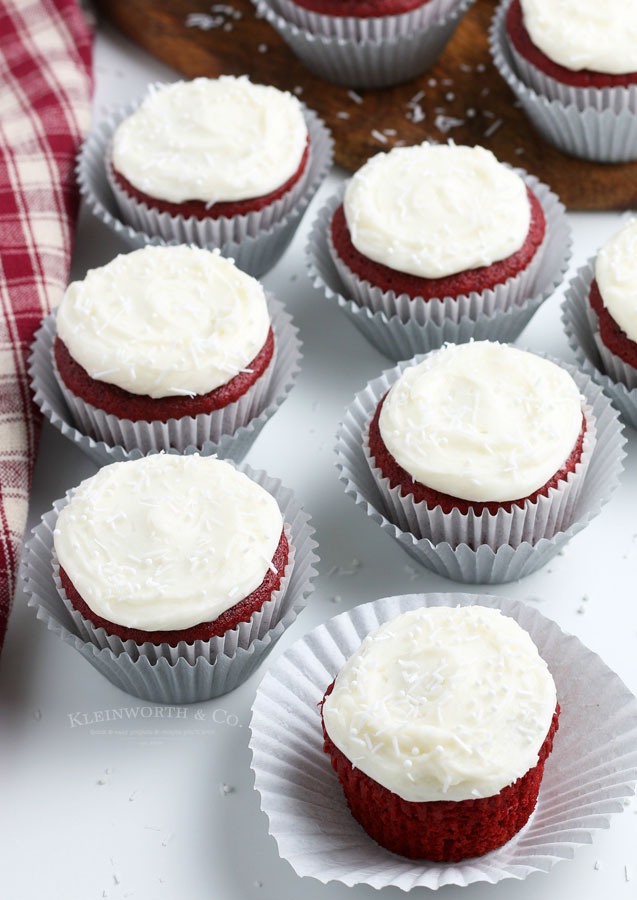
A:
[(464, 96)]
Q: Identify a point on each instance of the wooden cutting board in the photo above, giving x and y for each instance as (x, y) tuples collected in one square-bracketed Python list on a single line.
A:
[(463, 97)]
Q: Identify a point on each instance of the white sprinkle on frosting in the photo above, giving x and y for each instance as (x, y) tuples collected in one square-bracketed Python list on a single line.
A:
[(616, 275), (167, 542), (482, 421), (165, 321), (435, 210), (456, 657), (214, 140)]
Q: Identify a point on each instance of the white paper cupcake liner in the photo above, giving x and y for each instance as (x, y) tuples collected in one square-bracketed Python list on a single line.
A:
[(186, 676), (374, 28), (593, 765), (366, 63), (233, 444), (580, 330), (255, 250), (483, 564), (599, 134), (403, 327), (542, 518), (256, 628)]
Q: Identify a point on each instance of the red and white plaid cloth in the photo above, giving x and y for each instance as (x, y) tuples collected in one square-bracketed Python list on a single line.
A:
[(45, 100)]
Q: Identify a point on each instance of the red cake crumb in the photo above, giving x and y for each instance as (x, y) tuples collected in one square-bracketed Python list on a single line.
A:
[(201, 210), (421, 493), (439, 830), (141, 408), (361, 9), (522, 42), (240, 612), (480, 279), (611, 334)]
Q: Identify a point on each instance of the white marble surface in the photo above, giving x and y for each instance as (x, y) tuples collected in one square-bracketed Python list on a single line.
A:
[(137, 808)]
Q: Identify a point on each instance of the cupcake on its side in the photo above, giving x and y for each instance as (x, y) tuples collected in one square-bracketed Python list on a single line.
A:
[(169, 549), (164, 347), (438, 727), (481, 443)]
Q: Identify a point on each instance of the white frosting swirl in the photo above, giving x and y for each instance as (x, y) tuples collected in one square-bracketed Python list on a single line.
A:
[(165, 321), (482, 421), (443, 704), (435, 210), (211, 139), (616, 275), (167, 542), (585, 34)]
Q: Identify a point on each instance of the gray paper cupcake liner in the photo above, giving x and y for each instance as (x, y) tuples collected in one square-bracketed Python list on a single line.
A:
[(582, 339), (402, 327), (483, 564), (367, 63), (234, 444), (372, 28), (256, 243), (592, 768), (160, 679), (598, 134)]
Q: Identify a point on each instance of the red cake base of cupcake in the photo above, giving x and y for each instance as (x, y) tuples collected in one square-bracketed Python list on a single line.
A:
[(611, 334), (391, 469), (141, 408), (240, 612), (522, 42), (361, 9), (480, 279), (200, 210), (439, 830)]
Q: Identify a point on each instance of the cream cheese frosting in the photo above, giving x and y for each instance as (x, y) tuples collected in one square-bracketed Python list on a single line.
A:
[(585, 34), (435, 210), (213, 140), (482, 421), (443, 703), (616, 276), (165, 321), (167, 542)]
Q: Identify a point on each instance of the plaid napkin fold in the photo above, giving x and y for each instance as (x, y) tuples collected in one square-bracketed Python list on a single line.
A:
[(45, 100)]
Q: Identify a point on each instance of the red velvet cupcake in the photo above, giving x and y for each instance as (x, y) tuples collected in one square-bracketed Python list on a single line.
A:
[(164, 347), (437, 231), (480, 443), (170, 549), (441, 755)]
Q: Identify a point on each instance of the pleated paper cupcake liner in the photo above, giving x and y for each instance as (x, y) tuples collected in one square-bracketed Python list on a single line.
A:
[(373, 28), (593, 765), (606, 134), (192, 673), (233, 443), (256, 628), (482, 564), (370, 63), (530, 523), (254, 249), (402, 327), (579, 326)]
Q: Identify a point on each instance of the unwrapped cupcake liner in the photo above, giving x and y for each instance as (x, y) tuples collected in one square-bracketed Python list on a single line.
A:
[(58, 405), (368, 63), (607, 134), (542, 518), (186, 676), (592, 768), (580, 326), (254, 251), (401, 326), (483, 564), (371, 28), (242, 635)]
